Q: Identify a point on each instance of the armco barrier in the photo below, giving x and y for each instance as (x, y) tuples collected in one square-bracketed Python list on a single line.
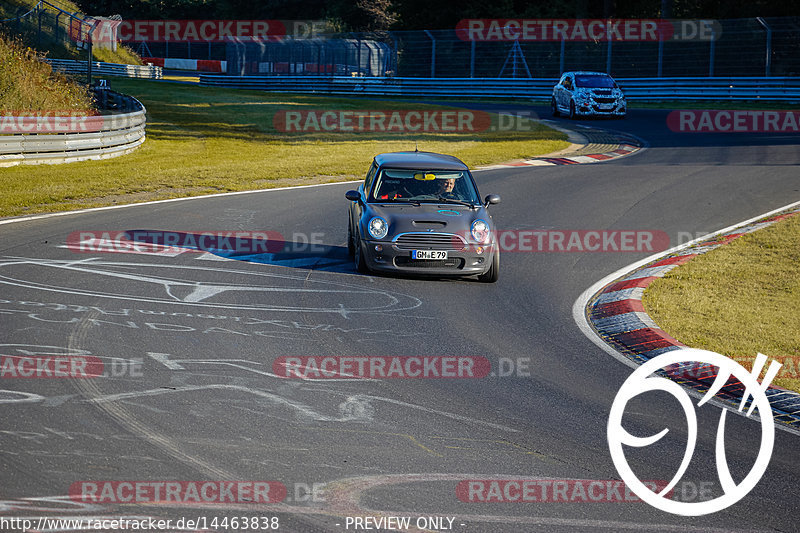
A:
[(70, 66), (785, 89), (112, 135)]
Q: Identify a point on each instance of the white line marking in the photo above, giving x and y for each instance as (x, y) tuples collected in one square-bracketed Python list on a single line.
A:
[(154, 202), (582, 321)]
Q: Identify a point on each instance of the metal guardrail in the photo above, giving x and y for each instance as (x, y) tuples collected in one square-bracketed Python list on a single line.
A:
[(535, 88), (97, 137), (70, 66)]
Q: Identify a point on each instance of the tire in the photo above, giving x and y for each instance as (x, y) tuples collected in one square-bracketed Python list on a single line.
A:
[(554, 108), (360, 262), (572, 110), (351, 248), (493, 274)]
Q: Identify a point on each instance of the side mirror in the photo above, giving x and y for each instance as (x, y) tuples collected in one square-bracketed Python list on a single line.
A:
[(492, 199), (353, 196)]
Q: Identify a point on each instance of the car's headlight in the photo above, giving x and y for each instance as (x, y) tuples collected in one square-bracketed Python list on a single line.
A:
[(378, 228), (480, 231)]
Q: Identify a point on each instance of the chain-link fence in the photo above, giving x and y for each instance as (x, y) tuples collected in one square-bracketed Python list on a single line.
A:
[(744, 47), (47, 25)]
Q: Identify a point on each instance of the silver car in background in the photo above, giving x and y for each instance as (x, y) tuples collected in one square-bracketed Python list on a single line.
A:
[(588, 94)]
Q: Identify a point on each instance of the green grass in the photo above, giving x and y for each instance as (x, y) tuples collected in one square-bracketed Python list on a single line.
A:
[(204, 140), (26, 83), (738, 300)]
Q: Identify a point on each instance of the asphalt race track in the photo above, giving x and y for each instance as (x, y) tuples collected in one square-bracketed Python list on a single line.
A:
[(191, 339)]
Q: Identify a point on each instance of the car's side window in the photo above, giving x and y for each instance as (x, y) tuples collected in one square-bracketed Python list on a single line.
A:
[(370, 178), (568, 83), (563, 80)]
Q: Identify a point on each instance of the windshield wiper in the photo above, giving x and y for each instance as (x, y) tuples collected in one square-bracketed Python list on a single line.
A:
[(404, 201), (442, 199)]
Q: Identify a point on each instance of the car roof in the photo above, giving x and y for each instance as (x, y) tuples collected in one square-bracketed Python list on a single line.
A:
[(420, 161), (587, 73)]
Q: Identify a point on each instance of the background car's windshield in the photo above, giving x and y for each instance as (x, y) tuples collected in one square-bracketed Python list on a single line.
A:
[(597, 82), (423, 185)]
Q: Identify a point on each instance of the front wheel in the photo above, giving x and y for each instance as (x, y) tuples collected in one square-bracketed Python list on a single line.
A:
[(351, 249), (572, 110), (493, 274), (360, 261), (554, 107)]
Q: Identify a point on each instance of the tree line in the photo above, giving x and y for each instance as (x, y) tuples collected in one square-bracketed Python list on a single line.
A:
[(371, 15)]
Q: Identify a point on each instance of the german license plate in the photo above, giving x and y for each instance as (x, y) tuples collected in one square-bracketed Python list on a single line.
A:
[(428, 254)]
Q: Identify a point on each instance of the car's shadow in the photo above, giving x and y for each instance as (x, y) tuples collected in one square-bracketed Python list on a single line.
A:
[(276, 252), (325, 258), (299, 255)]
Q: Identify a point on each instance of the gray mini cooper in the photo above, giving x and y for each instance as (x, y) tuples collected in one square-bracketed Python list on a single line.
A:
[(420, 213)]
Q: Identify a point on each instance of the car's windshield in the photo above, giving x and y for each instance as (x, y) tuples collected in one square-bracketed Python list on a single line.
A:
[(594, 82), (395, 185)]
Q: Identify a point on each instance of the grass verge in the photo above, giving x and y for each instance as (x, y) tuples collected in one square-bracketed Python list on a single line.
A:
[(738, 300), (204, 140), (28, 84)]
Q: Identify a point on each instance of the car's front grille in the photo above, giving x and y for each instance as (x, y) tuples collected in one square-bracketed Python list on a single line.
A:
[(603, 100), (429, 241), (455, 262)]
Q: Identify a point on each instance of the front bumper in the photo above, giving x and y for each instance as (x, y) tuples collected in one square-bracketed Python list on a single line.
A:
[(392, 258), (599, 110)]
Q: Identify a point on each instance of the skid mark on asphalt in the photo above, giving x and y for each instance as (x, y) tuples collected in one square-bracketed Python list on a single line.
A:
[(403, 436), (356, 408), (505, 445), (177, 364), (90, 389), (162, 285)]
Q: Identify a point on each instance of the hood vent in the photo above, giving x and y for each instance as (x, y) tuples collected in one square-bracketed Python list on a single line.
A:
[(437, 224)]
